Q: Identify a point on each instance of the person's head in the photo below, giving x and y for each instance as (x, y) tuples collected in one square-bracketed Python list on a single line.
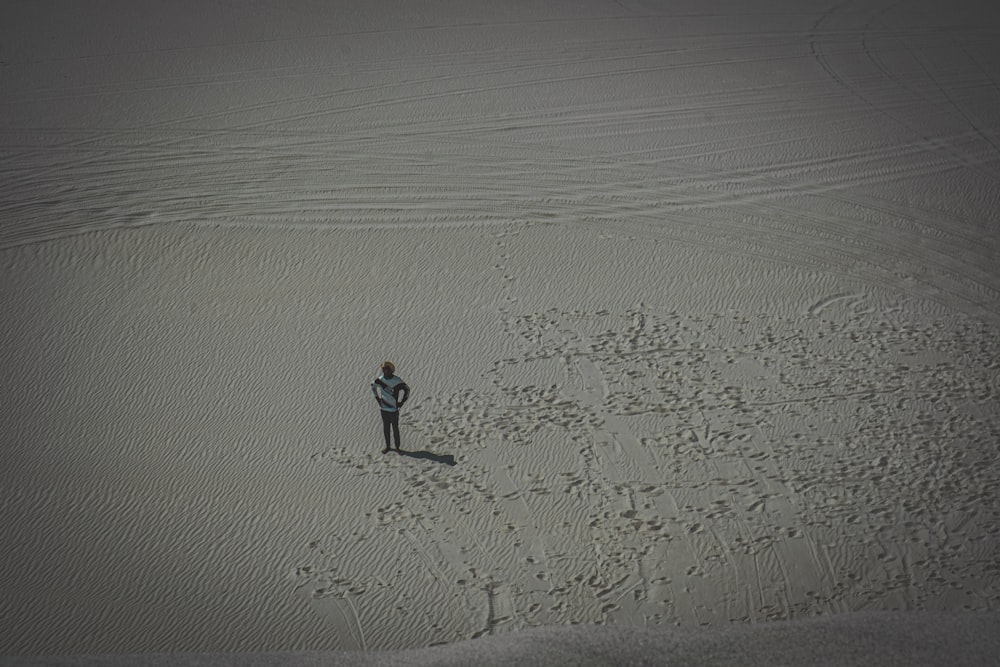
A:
[(388, 368)]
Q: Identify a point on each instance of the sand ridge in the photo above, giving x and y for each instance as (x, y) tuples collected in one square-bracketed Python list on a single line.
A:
[(882, 639)]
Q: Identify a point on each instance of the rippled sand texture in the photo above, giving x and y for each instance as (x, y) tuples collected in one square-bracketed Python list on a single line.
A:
[(699, 304)]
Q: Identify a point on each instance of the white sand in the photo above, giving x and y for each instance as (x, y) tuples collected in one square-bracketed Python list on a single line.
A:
[(702, 302)]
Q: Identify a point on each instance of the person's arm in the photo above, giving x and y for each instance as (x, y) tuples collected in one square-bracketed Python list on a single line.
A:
[(402, 395), (378, 399)]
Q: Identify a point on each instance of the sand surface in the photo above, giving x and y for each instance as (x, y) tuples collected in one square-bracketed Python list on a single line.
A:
[(882, 639), (699, 304)]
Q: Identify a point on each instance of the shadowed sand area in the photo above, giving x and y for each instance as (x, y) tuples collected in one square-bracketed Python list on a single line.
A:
[(874, 639)]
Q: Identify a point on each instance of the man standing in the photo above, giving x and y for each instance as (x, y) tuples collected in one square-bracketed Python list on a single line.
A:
[(390, 393)]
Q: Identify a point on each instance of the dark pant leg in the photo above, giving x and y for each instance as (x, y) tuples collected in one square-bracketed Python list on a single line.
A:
[(394, 420), (390, 420), (386, 425)]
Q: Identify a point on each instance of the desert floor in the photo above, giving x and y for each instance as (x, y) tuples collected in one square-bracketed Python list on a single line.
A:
[(699, 304)]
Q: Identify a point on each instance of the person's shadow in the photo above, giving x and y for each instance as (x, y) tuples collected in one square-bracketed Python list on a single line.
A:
[(446, 459)]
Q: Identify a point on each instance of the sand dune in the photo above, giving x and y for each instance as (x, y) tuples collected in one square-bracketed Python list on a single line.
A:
[(700, 308), (872, 638)]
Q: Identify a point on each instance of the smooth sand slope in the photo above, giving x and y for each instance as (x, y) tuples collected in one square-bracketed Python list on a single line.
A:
[(699, 302), (906, 639)]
